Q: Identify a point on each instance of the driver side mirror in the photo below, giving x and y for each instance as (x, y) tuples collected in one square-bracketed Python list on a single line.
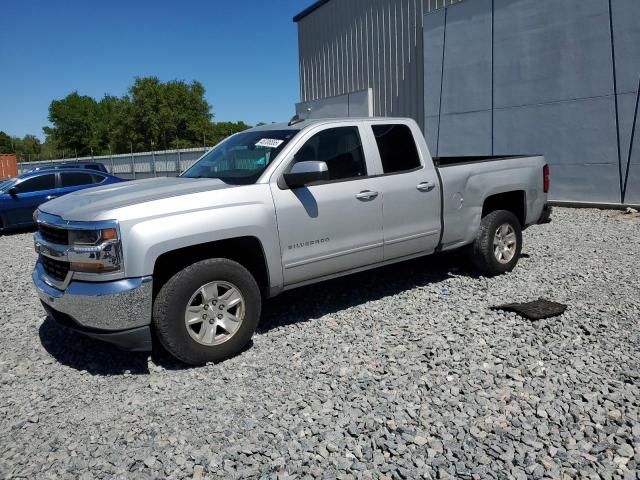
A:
[(304, 173), (13, 191)]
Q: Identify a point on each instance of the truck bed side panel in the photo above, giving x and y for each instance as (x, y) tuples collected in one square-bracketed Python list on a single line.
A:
[(467, 186)]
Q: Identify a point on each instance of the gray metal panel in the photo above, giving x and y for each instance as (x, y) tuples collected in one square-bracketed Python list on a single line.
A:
[(572, 135), (351, 45), (465, 134), (627, 104), (431, 125), (333, 107), (360, 104), (433, 51), (467, 66), (549, 51), (356, 104), (626, 34)]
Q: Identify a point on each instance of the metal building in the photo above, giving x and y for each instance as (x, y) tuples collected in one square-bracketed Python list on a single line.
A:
[(558, 77)]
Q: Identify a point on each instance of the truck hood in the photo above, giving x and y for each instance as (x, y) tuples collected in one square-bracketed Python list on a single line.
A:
[(92, 203)]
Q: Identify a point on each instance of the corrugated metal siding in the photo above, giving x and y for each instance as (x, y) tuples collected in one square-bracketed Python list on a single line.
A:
[(165, 163), (8, 166), (350, 45)]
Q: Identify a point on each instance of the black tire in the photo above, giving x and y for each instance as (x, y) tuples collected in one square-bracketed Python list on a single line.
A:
[(482, 250), (171, 301)]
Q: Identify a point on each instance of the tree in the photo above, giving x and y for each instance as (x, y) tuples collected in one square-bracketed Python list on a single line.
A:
[(24, 147), (5, 143), (28, 145), (153, 115), (75, 122), (220, 130), (163, 112)]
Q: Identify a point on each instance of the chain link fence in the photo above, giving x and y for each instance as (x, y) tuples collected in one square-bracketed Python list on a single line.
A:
[(165, 163)]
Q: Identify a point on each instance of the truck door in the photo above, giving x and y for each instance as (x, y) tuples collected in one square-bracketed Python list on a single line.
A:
[(332, 226), (411, 192)]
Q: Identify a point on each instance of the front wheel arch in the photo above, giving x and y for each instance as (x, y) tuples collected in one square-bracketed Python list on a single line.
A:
[(247, 251)]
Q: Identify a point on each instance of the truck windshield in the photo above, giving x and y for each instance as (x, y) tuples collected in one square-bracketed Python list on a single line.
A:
[(241, 159)]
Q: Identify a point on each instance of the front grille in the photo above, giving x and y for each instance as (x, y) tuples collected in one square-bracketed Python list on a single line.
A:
[(59, 236), (55, 268)]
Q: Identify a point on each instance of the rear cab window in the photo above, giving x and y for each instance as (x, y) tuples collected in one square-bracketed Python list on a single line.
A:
[(397, 147)]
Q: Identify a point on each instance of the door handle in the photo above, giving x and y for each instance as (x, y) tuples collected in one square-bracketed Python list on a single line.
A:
[(51, 197), (366, 195), (426, 186)]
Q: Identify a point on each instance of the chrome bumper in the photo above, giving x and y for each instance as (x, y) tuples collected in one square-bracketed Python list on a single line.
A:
[(108, 307)]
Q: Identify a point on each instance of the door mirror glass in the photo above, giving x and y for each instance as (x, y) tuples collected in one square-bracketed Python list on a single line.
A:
[(304, 173), (13, 191)]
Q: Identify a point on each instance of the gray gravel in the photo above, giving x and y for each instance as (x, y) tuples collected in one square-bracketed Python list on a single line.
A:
[(403, 372)]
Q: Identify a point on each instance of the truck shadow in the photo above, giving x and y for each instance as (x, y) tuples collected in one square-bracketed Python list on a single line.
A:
[(83, 353), (302, 305), (308, 303), (17, 231)]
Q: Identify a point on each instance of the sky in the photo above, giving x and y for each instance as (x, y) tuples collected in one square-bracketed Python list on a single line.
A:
[(244, 52)]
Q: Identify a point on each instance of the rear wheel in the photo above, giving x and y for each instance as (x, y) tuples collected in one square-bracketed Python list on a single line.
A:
[(498, 244), (208, 311)]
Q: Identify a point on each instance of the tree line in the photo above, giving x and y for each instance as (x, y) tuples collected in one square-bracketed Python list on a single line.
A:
[(153, 115)]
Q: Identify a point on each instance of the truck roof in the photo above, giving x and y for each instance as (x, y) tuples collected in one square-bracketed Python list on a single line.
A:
[(315, 121)]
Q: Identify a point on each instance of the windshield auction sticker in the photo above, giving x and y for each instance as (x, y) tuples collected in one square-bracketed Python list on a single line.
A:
[(269, 143)]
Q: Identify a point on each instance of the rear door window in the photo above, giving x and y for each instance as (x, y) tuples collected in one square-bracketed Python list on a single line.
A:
[(76, 179), (397, 148)]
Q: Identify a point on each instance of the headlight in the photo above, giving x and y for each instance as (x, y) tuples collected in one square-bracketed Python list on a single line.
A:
[(95, 251), (92, 237)]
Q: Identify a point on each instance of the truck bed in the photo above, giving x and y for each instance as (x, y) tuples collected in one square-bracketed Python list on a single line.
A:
[(467, 181), (465, 159)]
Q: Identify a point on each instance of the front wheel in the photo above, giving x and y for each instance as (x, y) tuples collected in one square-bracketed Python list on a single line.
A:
[(498, 244), (208, 311)]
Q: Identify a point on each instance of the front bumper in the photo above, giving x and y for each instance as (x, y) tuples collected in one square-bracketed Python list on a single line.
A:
[(118, 312)]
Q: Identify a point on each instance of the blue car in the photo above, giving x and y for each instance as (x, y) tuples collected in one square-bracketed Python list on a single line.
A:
[(21, 195)]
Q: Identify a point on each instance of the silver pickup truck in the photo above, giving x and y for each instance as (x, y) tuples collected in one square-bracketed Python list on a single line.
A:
[(188, 260)]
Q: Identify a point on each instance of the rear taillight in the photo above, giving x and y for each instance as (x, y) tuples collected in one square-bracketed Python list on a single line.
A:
[(545, 176)]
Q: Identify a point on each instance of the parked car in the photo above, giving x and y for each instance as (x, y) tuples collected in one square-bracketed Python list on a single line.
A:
[(97, 166), (268, 210), (22, 195)]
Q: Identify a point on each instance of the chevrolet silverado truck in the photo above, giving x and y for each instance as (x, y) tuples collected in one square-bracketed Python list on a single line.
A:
[(188, 260)]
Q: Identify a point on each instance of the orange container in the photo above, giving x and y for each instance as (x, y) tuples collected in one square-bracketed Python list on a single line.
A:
[(8, 166)]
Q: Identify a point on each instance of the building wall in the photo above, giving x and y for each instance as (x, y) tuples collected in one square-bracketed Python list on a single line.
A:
[(349, 46), (538, 76), (558, 77)]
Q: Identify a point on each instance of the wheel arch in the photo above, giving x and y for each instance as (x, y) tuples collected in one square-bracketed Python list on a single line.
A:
[(514, 201), (248, 251)]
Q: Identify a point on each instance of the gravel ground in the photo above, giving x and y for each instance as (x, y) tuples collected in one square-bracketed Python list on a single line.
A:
[(402, 372)]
